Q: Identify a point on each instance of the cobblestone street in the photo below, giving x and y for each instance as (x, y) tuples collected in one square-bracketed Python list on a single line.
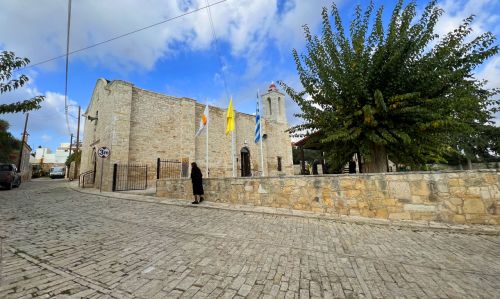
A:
[(57, 242)]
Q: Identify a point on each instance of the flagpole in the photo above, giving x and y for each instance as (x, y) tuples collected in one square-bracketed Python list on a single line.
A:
[(208, 122), (260, 132), (233, 153), (233, 146)]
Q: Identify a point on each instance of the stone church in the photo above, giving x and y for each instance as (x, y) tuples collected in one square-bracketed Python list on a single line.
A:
[(140, 127)]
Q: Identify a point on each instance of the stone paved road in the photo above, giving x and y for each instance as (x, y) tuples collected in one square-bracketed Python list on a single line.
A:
[(59, 243)]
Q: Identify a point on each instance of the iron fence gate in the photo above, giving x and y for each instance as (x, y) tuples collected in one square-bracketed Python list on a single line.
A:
[(166, 169), (130, 177)]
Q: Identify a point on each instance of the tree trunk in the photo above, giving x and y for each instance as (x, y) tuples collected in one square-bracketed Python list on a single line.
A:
[(358, 155), (378, 161)]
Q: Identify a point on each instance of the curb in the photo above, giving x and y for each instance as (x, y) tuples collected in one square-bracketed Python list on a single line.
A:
[(415, 226)]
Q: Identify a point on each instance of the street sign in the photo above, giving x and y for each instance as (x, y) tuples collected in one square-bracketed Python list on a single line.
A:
[(103, 152)]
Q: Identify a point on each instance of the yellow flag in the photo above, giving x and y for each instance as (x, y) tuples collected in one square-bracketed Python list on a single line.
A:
[(230, 117)]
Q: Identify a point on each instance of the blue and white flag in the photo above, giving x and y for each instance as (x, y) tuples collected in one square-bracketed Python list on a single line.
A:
[(257, 122)]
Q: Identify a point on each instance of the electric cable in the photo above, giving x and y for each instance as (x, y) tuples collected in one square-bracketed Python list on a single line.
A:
[(217, 50), (67, 64)]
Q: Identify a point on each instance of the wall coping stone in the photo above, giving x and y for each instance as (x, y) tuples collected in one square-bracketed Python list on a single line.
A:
[(341, 175)]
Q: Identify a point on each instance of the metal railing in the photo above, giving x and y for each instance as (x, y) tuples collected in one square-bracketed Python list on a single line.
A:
[(86, 178), (166, 169), (130, 177)]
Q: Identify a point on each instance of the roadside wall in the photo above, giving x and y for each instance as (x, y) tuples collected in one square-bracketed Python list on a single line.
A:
[(454, 197)]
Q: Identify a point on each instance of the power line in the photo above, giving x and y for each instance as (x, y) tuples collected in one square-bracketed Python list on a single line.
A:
[(125, 34), (67, 64), (217, 50)]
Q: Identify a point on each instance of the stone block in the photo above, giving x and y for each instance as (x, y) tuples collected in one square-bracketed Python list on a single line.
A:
[(419, 208), (381, 213), (400, 216), (473, 206), (350, 193), (456, 182), (423, 216), (354, 212), (420, 188), (458, 191), (367, 212), (474, 191), (389, 202), (460, 219), (485, 193), (395, 209), (399, 189), (417, 199), (346, 183)]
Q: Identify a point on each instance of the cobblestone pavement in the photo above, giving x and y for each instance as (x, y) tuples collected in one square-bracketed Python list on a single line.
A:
[(57, 242)]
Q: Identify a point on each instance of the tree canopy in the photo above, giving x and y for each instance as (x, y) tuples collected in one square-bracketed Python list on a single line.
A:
[(9, 63), (397, 90)]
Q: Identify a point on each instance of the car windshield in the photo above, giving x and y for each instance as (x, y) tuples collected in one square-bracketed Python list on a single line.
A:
[(5, 167), (58, 169)]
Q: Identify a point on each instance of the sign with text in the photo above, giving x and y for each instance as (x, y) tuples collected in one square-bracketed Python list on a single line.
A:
[(103, 152)]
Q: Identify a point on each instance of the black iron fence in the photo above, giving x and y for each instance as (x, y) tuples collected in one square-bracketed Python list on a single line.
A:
[(130, 177), (166, 169), (86, 179)]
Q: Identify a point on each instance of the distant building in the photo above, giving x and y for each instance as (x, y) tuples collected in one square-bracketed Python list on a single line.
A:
[(45, 159), (140, 126)]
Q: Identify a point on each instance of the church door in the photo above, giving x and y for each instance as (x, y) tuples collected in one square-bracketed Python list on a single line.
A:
[(245, 162), (94, 159)]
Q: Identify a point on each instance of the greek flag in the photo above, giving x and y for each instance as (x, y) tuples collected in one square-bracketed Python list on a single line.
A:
[(257, 122)]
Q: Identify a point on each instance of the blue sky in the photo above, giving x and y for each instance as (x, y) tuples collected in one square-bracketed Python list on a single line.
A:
[(255, 41)]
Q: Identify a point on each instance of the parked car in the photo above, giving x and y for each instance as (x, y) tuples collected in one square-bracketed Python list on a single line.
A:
[(57, 172), (9, 177)]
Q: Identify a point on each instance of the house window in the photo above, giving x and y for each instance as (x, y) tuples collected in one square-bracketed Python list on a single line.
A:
[(279, 164)]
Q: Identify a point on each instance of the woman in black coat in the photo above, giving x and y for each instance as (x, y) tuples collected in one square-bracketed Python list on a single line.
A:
[(196, 179)]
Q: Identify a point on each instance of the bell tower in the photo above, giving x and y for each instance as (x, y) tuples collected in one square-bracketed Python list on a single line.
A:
[(273, 105)]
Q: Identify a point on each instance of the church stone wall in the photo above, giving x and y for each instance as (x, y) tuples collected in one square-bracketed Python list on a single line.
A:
[(139, 126), (111, 102), (277, 144), (161, 127)]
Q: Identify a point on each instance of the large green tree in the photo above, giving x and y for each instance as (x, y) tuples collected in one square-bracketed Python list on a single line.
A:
[(397, 90), (9, 63)]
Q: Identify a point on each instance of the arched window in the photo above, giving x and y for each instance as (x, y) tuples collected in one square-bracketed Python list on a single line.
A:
[(279, 106), (270, 109)]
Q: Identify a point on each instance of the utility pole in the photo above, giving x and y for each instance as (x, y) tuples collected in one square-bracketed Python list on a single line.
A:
[(70, 143), (77, 139), (22, 144)]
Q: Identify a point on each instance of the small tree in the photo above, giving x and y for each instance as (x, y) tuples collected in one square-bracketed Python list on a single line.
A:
[(8, 64), (8, 144), (76, 156), (382, 92)]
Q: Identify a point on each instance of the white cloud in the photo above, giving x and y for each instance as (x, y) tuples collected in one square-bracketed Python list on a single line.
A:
[(46, 138), (486, 18), (44, 125), (248, 26)]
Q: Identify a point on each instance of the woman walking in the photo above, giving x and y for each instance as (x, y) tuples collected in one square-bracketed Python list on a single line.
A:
[(196, 179)]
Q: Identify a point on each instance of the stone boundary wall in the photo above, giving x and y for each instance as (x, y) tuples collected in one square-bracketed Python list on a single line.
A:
[(453, 197)]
